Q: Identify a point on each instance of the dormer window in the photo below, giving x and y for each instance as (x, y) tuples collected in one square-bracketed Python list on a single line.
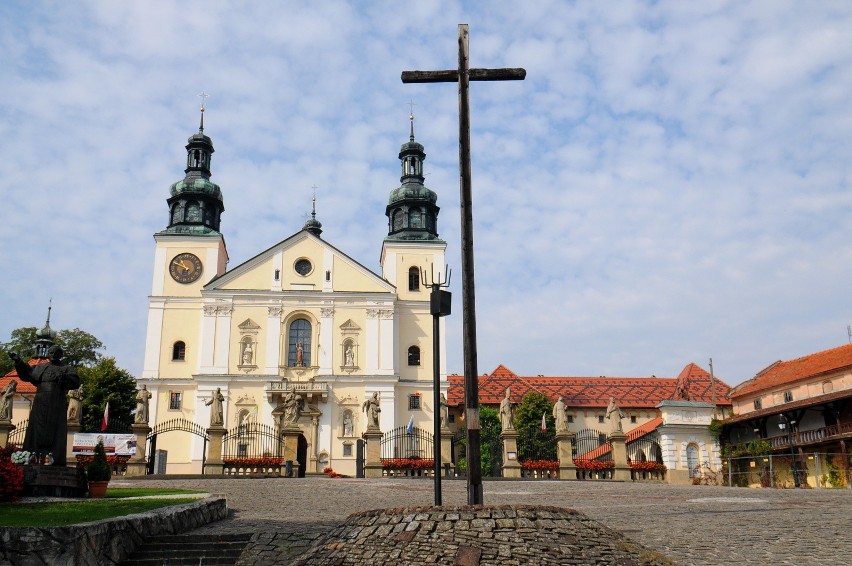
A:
[(758, 404), (788, 396)]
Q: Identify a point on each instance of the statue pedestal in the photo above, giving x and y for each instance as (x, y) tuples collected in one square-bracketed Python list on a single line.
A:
[(214, 466), (447, 449), (137, 466), (70, 430), (618, 441), (290, 447), (6, 428), (564, 451), (373, 457), (511, 466)]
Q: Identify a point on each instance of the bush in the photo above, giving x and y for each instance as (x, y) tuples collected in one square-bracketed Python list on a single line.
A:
[(11, 476), (99, 469)]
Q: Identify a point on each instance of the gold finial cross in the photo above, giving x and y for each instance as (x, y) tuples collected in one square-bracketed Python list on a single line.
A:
[(203, 96)]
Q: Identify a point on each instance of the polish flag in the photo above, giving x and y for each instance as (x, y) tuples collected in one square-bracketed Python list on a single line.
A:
[(106, 418), (543, 424)]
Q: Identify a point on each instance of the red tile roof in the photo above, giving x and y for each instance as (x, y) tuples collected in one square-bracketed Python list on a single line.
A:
[(806, 367), (23, 386), (629, 392)]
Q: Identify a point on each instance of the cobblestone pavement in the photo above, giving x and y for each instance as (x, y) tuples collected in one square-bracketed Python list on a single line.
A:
[(691, 524)]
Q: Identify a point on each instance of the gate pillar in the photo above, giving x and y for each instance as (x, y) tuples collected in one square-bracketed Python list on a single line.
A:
[(373, 463), (446, 449), (137, 466), (618, 441), (564, 451), (290, 446), (511, 466), (214, 465), (70, 430)]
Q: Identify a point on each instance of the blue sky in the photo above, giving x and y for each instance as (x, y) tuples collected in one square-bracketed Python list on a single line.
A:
[(670, 182)]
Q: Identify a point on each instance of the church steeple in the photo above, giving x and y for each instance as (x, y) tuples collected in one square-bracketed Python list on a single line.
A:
[(412, 210), (46, 337), (313, 225), (195, 204)]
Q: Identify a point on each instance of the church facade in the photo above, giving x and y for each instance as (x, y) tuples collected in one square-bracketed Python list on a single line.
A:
[(301, 316)]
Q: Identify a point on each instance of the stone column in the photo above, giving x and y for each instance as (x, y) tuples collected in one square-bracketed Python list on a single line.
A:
[(373, 457), (70, 430), (564, 450), (446, 449), (136, 466), (618, 441), (511, 466), (314, 447), (6, 428), (214, 466), (290, 447)]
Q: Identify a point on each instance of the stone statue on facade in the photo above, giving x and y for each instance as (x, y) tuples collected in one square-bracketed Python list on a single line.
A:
[(46, 431), (560, 416), (300, 360), (291, 407), (614, 414), (350, 356), (6, 398), (371, 407), (507, 412), (217, 411), (143, 397), (445, 411), (75, 405), (348, 425), (247, 354)]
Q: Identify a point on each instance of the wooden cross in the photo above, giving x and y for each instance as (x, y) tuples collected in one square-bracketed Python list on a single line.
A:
[(463, 75)]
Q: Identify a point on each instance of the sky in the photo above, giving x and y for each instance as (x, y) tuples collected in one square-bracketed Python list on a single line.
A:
[(669, 184)]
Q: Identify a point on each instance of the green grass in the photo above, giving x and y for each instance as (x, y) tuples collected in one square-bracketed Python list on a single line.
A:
[(145, 492), (73, 512)]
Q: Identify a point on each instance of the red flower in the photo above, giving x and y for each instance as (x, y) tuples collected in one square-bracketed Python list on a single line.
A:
[(594, 465), (540, 465), (263, 462), (408, 463), (648, 466)]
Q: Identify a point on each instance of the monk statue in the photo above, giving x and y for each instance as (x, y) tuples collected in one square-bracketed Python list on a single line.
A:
[(614, 414), (371, 407), (560, 416), (75, 405), (6, 398), (507, 412), (143, 398), (46, 431), (217, 412)]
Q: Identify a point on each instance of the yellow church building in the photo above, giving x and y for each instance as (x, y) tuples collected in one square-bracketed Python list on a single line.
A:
[(299, 317)]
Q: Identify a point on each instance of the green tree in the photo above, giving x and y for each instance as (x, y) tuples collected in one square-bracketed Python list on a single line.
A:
[(80, 348), (531, 444), (106, 382), (489, 422)]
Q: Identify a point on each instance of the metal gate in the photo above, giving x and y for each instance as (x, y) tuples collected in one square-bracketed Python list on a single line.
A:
[(172, 425), (536, 444), (16, 437), (491, 450), (592, 444), (251, 440), (414, 445)]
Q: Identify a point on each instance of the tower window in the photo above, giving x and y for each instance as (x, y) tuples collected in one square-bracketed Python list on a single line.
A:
[(413, 278), (414, 356), (277, 274), (174, 400), (299, 351), (414, 402), (179, 351)]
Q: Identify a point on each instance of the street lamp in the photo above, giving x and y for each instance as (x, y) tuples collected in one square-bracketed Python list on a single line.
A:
[(783, 421)]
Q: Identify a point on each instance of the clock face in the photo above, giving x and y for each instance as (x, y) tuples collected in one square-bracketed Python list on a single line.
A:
[(185, 268), (303, 267)]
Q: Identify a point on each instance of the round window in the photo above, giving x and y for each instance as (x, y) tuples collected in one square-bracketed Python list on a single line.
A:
[(303, 267)]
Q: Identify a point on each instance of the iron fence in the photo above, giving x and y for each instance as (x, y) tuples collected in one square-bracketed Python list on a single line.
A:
[(805, 470), (536, 444), (251, 440), (400, 443), (16, 437), (591, 444)]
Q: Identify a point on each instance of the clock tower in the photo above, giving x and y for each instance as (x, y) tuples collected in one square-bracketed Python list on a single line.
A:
[(190, 252)]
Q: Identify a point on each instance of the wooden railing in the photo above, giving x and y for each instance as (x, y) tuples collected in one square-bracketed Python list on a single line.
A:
[(814, 436)]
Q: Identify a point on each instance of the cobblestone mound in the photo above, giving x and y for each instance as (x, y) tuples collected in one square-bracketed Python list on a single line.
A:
[(476, 535)]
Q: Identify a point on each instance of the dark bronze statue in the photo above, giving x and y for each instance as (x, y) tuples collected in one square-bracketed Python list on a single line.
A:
[(46, 430)]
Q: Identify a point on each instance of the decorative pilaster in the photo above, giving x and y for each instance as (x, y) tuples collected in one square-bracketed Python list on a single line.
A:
[(511, 466), (70, 430), (373, 457), (136, 466), (6, 428), (618, 441), (214, 466), (314, 443), (564, 450)]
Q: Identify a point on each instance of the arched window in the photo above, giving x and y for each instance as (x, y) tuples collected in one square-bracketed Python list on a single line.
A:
[(692, 460), (414, 356), (299, 348), (193, 212), (179, 351), (415, 220), (413, 278), (398, 217)]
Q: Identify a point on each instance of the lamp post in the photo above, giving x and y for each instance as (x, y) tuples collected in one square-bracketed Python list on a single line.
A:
[(783, 421)]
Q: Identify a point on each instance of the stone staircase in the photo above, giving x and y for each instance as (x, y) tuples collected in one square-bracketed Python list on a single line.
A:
[(190, 549)]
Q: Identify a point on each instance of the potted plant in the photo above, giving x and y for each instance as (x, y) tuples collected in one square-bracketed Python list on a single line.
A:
[(98, 472)]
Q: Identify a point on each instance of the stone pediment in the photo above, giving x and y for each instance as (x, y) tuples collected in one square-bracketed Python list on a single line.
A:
[(350, 327), (249, 325)]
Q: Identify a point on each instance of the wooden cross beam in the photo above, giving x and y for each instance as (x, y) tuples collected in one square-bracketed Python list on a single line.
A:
[(463, 75)]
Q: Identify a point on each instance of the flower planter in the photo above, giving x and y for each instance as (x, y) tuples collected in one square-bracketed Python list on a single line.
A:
[(97, 489)]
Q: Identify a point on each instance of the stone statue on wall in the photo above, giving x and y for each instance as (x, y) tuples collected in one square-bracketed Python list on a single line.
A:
[(350, 356), (291, 407), (75, 405), (445, 411), (348, 425), (46, 431), (247, 354), (6, 398), (217, 411), (143, 397), (371, 407), (300, 359), (507, 412), (614, 414), (560, 416)]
